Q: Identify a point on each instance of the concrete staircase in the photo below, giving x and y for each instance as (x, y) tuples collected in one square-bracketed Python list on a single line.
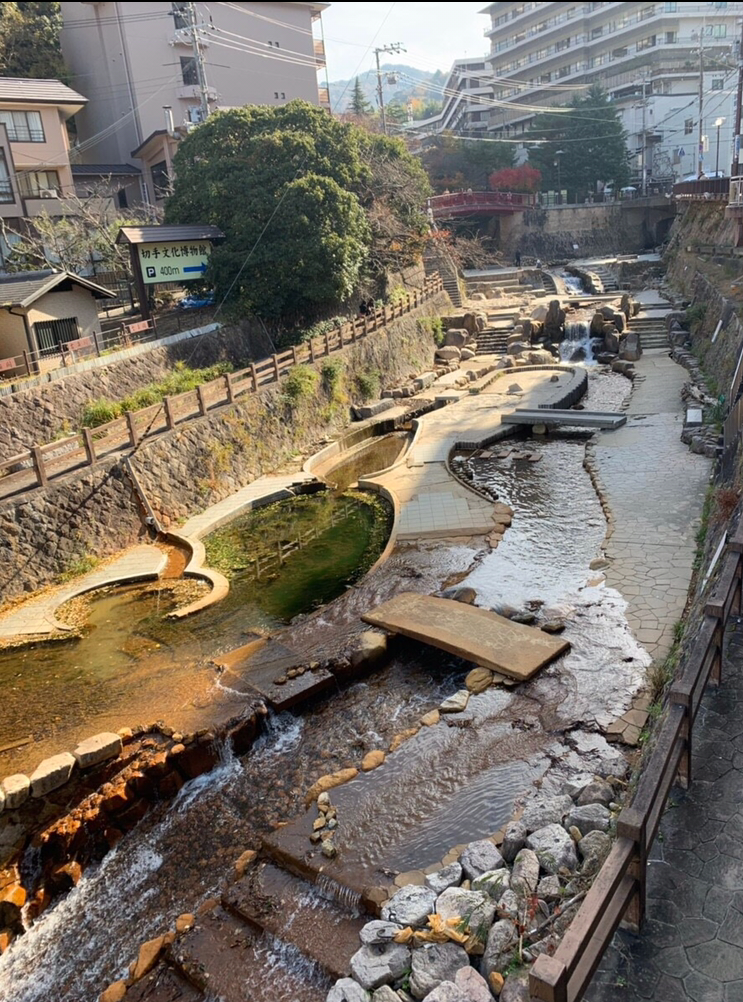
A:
[(608, 280), (653, 332), (492, 341), (436, 259)]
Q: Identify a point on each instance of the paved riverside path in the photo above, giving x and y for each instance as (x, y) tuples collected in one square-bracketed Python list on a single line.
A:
[(691, 947), (655, 488), (36, 616)]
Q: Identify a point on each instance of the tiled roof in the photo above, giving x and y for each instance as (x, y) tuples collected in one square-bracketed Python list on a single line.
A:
[(167, 234), (22, 91), (26, 287), (105, 170)]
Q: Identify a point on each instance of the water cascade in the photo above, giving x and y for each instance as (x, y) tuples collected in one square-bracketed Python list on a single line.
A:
[(578, 344)]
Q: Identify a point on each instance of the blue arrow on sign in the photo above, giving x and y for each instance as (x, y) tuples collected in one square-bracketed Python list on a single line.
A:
[(201, 268)]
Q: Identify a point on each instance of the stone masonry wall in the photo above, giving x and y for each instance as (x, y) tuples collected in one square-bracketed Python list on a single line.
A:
[(96, 512), (206, 460), (36, 415), (551, 233)]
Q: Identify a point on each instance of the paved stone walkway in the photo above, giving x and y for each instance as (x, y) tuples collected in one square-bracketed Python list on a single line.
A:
[(431, 502), (692, 943), (36, 617), (655, 488)]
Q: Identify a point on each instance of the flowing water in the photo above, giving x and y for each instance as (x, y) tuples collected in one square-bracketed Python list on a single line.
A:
[(578, 345)]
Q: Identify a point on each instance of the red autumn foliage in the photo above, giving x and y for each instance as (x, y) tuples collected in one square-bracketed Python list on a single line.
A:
[(517, 179)]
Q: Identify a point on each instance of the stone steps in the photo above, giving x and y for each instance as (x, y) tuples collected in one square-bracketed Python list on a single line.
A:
[(492, 342), (653, 333)]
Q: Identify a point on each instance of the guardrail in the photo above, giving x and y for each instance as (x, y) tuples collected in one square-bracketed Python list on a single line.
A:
[(464, 202), (618, 894), (704, 189), (37, 466)]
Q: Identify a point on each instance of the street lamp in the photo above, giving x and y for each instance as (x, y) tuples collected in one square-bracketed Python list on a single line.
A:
[(718, 124), (558, 154)]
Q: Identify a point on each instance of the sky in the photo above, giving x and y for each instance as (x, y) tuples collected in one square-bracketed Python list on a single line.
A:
[(434, 34)]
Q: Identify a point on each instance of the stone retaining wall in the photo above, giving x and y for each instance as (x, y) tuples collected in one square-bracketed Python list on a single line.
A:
[(203, 461), (40, 412)]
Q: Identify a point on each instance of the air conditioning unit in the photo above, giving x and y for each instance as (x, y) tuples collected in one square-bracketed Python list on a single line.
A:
[(48, 193)]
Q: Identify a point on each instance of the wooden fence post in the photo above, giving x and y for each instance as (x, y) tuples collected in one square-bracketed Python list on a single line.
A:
[(633, 825), (254, 377), (38, 460), (327, 344), (229, 387), (715, 676), (295, 359), (353, 331), (409, 302), (366, 325), (201, 394), (384, 315), (133, 435), (169, 413), (311, 345), (276, 370), (549, 980), (89, 445)]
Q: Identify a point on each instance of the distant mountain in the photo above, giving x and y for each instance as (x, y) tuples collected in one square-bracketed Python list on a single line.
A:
[(402, 84)]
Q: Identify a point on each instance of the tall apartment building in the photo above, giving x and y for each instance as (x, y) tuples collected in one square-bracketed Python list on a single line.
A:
[(647, 56), (136, 65)]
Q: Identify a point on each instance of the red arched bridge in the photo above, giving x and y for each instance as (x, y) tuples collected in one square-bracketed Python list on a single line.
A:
[(468, 203)]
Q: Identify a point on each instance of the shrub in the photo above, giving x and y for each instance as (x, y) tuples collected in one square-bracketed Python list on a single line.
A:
[(300, 383), (369, 383), (78, 566), (695, 316), (398, 295), (99, 412), (331, 372)]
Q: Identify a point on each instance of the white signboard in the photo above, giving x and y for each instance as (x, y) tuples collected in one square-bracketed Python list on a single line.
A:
[(174, 262)]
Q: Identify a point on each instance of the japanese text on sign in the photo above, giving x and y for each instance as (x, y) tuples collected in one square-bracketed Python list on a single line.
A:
[(174, 262)]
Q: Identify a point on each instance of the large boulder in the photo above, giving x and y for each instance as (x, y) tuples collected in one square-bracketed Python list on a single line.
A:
[(410, 907), (449, 354), (525, 876), (435, 964), (611, 341), (450, 876), (539, 313), (597, 325), (502, 940), (594, 850), (348, 991), (554, 322), (379, 933), (514, 840), (374, 966), (385, 994), (598, 791), (467, 354), (457, 338), (590, 818), (518, 348), (447, 992), (494, 884), (555, 849), (474, 908), (619, 321), (547, 811), (630, 349), (479, 858), (470, 322), (473, 985), (540, 357), (593, 751)]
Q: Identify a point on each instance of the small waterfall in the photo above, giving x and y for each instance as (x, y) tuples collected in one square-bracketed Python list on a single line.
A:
[(578, 344), (573, 284), (345, 896)]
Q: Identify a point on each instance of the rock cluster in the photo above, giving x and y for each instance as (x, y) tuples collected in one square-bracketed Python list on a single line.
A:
[(325, 827), (702, 437), (457, 938)]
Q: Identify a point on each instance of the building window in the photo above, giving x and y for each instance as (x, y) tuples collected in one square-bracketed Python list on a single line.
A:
[(647, 12), (715, 30), (39, 183), (688, 126), (189, 71), (646, 43), (671, 8), (671, 37), (122, 199), (23, 126), (565, 71), (718, 84), (597, 32), (6, 185), (160, 180), (179, 16), (53, 335)]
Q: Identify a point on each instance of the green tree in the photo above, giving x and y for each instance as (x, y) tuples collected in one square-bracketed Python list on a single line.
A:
[(299, 196), (29, 40), (460, 163), (589, 143), (358, 105)]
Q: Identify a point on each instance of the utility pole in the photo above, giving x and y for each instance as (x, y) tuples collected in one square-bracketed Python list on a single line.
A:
[(198, 54), (700, 153), (735, 171), (395, 48), (644, 138)]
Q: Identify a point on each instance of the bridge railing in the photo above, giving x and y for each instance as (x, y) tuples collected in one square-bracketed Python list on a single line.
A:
[(35, 467), (480, 200), (619, 891), (703, 189)]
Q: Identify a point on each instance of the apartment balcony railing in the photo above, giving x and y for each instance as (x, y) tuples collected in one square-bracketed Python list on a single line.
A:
[(319, 46), (324, 95)]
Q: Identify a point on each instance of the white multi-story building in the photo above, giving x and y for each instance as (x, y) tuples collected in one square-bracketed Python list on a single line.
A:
[(648, 56), (136, 65)]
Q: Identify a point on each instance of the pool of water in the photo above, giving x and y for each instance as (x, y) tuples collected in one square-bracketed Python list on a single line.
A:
[(134, 665), (371, 457)]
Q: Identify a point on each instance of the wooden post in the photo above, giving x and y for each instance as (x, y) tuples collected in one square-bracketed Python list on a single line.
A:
[(133, 435), (229, 387), (201, 394), (685, 765), (327, 344), (353, 331), (366, 326), (254, 377), (38, 461), (295, 357), (311, 344), (548, 981), (276, 371), (715, 677), (169, 413), (139, 285), (632, 825), (89, 445), (27, 362), (410, 303), (97, 344)]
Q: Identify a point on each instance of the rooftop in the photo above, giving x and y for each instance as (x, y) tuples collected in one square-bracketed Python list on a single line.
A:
[(167, 234), (18, 90), (105, 170), (25, 287)]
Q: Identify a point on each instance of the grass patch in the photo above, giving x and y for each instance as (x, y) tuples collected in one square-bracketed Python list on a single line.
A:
[(331, 372), (695, 316), (78, 566), (703, 531), (435, 327), (181, 380), (300, 383), (369, 383)]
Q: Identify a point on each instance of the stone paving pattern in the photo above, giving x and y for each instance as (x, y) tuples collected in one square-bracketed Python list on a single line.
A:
[(655, 488), (691, 947), (36, 617)]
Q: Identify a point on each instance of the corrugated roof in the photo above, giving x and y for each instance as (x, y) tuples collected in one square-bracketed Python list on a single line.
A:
[(167, 234), (26, 287), (105, 170), (22, 91)]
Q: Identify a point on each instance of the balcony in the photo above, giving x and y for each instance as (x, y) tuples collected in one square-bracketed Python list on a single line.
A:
[(319, 46), (324, 95), (192, 92)]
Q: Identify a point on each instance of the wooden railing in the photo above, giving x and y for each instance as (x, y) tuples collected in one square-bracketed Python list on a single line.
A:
[(37, 466), (619, 891), (269, 563)]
